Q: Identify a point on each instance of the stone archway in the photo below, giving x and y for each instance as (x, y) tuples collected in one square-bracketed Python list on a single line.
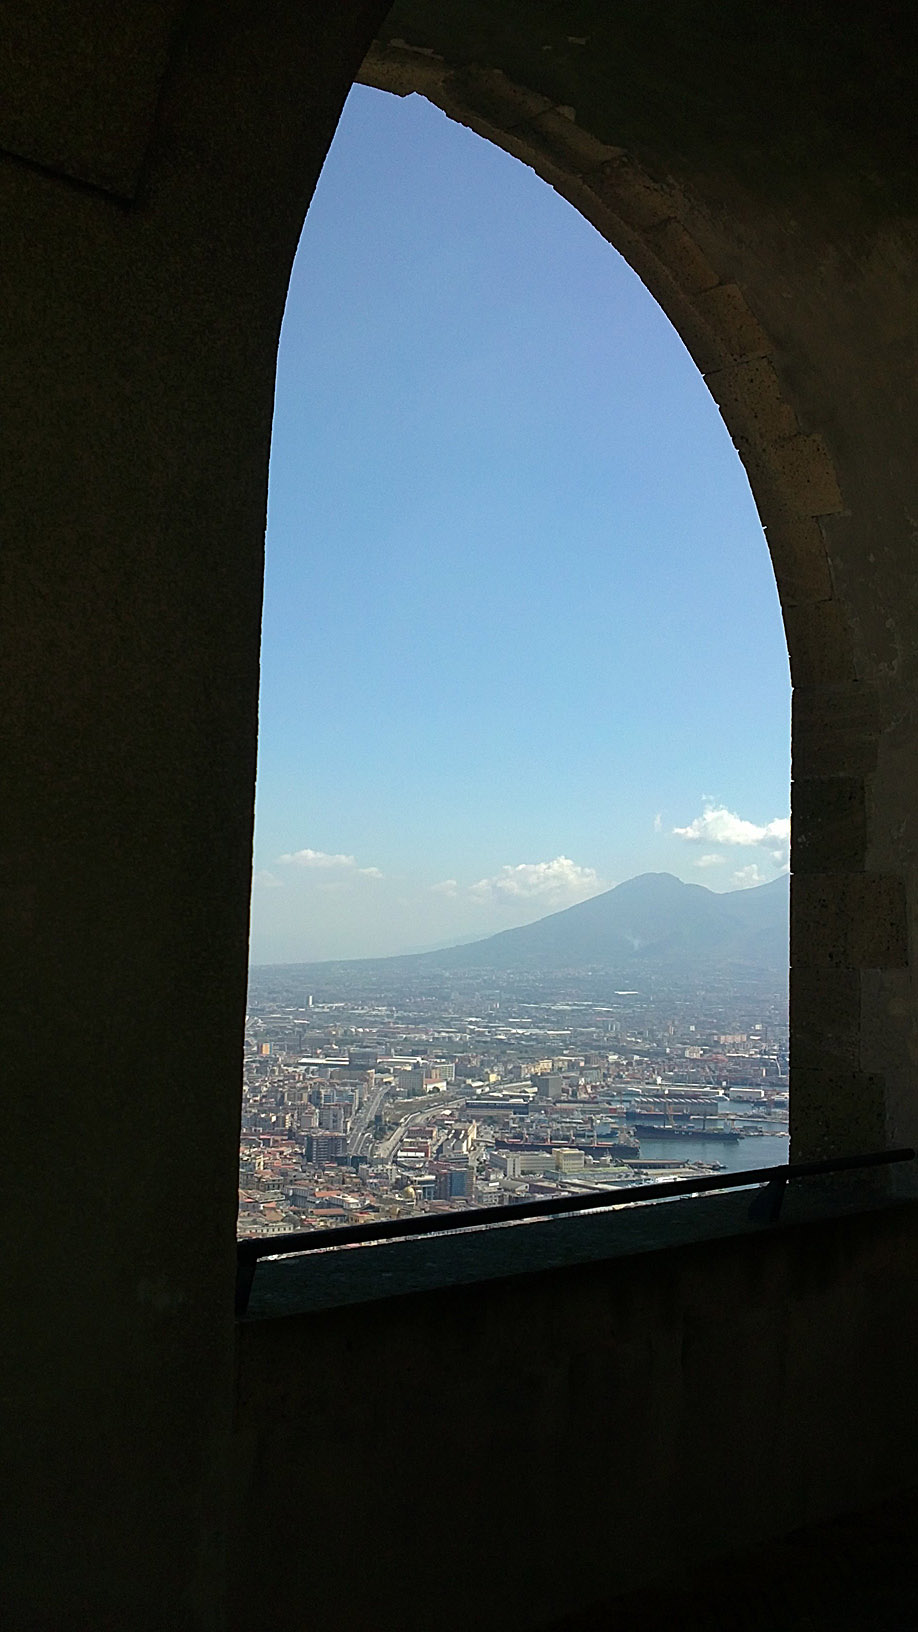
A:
[(846, 922)]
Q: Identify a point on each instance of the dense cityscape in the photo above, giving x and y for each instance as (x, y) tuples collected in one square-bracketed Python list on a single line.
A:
[(373, 1092)]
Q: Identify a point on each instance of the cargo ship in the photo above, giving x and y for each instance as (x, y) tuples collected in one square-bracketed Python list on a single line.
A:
[(624, 1148), (682, 1130)]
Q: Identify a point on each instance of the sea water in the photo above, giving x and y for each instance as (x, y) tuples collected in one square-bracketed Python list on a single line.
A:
[(763, 1150)]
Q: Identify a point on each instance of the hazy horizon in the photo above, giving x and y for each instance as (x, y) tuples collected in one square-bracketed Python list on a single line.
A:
[(466, 940), (521, 634)]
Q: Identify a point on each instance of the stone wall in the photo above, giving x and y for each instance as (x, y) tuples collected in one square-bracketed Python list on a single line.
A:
[(507, 1453)]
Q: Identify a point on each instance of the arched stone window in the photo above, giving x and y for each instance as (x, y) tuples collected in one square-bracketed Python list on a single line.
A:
[(296, 429), (848, 935)]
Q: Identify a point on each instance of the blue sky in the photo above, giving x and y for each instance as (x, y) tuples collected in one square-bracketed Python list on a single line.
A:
[(521, 634)]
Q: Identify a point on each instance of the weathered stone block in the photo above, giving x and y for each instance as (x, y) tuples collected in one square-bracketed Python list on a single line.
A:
[(848, 920), (834, 729), (798, 555), (887, 1046), (836, 1113), (825, 1018), (637, 200), (829, 828), (494, 96), (818, 644), (698, 337), (726, 310), (806, 473), (680, 253), (749, 394), (568, 143), (403, 70)]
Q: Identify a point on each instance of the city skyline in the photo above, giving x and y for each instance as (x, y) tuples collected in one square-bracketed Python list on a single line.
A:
[(376, 1098), (521, 634)]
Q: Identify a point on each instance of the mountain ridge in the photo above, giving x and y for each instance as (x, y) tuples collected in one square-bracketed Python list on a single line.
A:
[(654, 919)]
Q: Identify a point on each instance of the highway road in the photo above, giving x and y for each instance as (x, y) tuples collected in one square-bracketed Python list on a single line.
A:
[(360, 1139), (433, 1105)]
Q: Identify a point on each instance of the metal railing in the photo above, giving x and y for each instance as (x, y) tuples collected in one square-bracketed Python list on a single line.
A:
[(765, 1208)]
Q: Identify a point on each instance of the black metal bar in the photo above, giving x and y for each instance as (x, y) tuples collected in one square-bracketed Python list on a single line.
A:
[(252, 1248), (765, 1208)]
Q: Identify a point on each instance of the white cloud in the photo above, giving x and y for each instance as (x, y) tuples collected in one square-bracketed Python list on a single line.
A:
[(709, 861), (549, 882), (746, 877), (658, 822), (447, 886), (325, 861), (267, 881), (316, 858), (718, 825)]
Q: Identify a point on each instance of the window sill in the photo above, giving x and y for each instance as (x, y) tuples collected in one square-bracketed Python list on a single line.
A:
[(367, 1274)]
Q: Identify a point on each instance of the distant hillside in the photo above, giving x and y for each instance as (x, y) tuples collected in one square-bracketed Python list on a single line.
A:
[(654, 919)]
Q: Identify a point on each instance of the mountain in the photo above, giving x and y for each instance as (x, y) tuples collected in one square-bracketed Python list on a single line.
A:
[(653, 919), (653, 922)]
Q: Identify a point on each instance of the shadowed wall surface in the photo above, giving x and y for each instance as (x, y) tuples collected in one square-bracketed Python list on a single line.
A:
[(155, 170), (510, 1452)]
